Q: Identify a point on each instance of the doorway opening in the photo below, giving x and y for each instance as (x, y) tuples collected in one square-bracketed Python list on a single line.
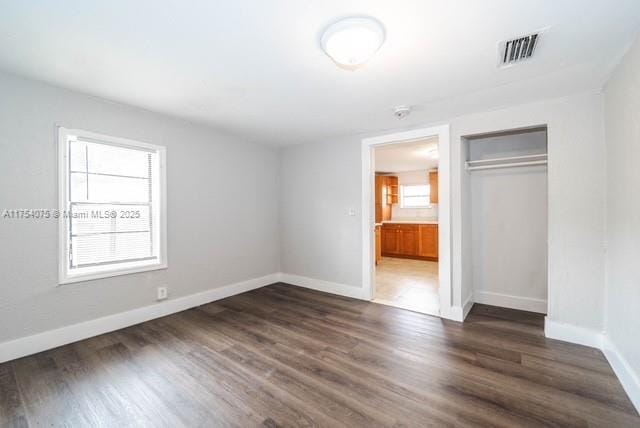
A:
[(406, 221), (406, 225)]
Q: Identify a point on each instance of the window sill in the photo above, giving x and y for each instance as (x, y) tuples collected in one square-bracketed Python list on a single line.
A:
[(70, 279)]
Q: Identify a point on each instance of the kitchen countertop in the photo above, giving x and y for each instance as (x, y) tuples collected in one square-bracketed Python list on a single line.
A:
[(417, 221)]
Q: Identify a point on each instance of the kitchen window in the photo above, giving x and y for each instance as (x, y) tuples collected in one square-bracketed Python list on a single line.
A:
[(415, 196), (112, 206)]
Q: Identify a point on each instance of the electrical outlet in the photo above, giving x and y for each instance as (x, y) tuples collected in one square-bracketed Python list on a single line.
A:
[(162, 293)]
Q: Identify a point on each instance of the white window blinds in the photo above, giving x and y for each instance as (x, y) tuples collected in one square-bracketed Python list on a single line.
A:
[(416, 196), (112, 205)]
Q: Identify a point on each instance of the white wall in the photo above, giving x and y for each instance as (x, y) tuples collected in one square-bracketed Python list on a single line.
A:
[(222, 208), (319, 184), (576, 204), (622, 296), (406, 178), (576, 176), (509, 225)]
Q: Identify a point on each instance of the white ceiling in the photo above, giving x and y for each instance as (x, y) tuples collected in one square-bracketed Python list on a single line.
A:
[(406, 157), (255, 68)]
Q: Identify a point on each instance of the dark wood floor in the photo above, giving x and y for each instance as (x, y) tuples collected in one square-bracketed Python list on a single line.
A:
[(286, 356)]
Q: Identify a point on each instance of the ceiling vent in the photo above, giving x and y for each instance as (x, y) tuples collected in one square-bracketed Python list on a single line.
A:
[(517, 50)]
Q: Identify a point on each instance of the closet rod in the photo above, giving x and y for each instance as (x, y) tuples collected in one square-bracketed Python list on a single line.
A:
[(506, 165), (540, 156)]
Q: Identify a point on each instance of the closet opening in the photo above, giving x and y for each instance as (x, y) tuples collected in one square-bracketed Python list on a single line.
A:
[(505, 218)]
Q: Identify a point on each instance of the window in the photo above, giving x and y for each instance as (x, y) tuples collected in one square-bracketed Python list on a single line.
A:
[(415, 196), (112, 206)]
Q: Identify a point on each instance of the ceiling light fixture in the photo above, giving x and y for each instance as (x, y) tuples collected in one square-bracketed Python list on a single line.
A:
[(351, 42), (429, 153)]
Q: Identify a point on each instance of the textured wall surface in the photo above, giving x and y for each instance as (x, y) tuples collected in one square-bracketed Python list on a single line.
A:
[(222, 209), (622, 122)]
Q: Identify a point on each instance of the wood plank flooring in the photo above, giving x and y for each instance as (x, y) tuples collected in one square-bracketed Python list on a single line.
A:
[(286, 356)]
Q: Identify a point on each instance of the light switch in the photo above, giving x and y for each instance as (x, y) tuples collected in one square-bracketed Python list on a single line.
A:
[(352, 212)]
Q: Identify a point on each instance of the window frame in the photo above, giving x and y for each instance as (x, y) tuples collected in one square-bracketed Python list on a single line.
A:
[(64, 276), (418, 207)]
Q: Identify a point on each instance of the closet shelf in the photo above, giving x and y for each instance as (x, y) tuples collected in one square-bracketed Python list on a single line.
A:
[(506, 162)]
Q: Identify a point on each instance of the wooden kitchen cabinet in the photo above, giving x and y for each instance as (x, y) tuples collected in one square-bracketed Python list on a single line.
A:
[(392, 189), (417, 241), (378, 198), (390, 241), (408, 241), (428, 247), (386, 212), (386, 194), (378, 243), (433, 184)]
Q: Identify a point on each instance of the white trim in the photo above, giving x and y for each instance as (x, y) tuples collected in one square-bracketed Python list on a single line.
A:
[(510, 158), (61, 336), (108, 139), (63, 247), (444, 209), (63, 185), (625, 373), (506, 165), (510, 301), (629, 379), (325, 286), (455, 313), (368, 219), (573, 334), (71, 279), (459, 313), (466, 307)]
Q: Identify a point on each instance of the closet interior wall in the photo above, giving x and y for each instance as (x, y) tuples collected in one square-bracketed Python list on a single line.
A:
[(508, 217)]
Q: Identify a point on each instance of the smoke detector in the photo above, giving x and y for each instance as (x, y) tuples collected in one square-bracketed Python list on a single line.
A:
[(401, 111)]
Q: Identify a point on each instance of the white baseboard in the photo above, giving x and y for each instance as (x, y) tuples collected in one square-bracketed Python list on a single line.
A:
[(458, 313), (454, 313), (61, 336), (573, 334), (629, 379), (509, 301), (326, 286), (466, 307)]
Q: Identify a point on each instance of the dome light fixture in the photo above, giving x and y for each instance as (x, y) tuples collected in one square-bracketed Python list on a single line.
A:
[(428, 152), (351, 42)]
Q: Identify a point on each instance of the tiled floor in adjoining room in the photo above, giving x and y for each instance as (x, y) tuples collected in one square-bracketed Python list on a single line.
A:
[(408, 284)]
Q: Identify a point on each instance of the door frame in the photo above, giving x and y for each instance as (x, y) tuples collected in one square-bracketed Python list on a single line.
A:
[(444, 210)]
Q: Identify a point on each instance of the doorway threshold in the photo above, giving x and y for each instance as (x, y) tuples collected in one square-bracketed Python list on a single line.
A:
[(420, 308)]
